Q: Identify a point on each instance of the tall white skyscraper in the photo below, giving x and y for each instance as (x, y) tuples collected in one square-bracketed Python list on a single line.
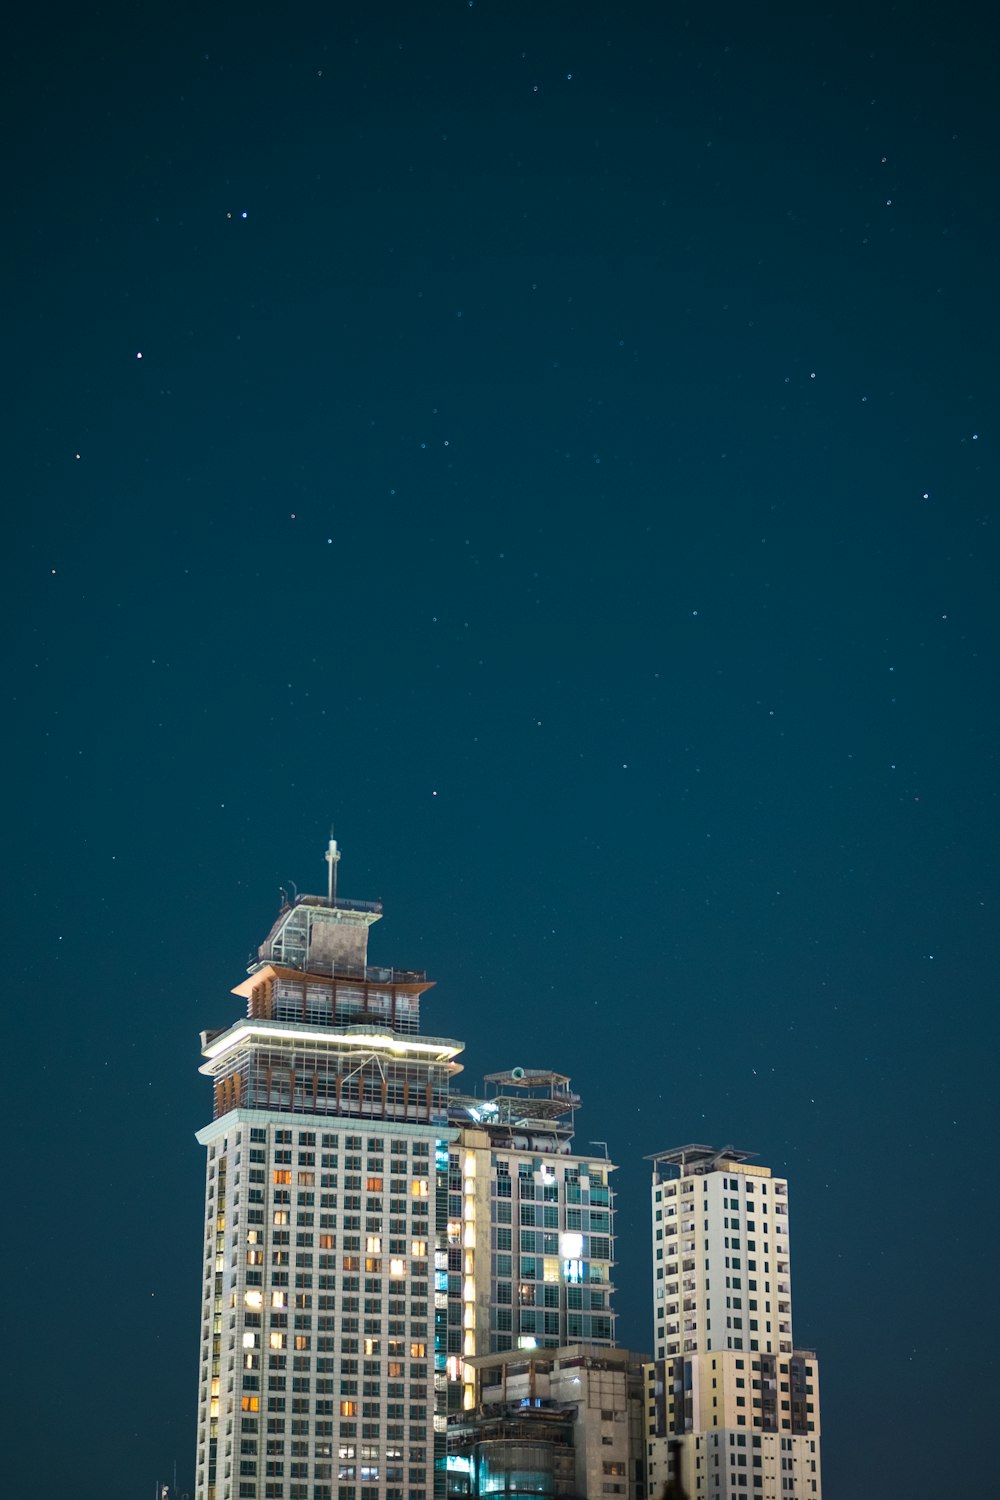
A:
[(727, 1382), (325, 1298)]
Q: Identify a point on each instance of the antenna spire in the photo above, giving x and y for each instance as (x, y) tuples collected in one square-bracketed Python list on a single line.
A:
[(332, 857)]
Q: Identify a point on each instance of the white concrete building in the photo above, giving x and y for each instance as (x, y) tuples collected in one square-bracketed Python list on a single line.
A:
[(727, 1381)]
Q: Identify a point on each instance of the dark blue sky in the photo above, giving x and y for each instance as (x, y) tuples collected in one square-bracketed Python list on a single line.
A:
[(563, 453)]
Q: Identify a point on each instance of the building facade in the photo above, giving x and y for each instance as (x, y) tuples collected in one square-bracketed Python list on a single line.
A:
[(727, 1380), (548, 1213), (325, 1306), (554, 1422)]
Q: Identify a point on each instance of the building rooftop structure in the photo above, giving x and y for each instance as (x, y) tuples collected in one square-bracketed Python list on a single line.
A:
[(525, 1108), (696, 1161)]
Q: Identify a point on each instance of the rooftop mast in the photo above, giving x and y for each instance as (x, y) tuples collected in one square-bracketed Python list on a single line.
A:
[(332, 857)]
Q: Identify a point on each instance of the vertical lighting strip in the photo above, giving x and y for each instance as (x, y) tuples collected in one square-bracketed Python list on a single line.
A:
[(468, 1279), (440, 1423), (220, 1261)]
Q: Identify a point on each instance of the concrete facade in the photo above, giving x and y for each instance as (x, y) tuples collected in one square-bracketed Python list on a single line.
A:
[(577, 1411), (727, 1381)]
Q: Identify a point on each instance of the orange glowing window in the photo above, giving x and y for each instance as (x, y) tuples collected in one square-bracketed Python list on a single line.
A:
[(250, 1403), (282, 1177)]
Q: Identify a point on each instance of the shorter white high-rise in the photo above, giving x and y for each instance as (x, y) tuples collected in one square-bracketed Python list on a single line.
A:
[(727, 1384)]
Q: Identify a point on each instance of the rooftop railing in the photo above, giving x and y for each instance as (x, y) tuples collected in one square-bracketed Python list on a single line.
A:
[(367, 973), (341, 904)]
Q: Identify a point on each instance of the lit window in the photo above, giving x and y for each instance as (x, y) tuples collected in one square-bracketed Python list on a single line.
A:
[(250, 1403), (254, 1299), (348, 1408), (375, 1184), (277, 1341), (397, 1268), (418, 1187), (373, 1244), (418, 1351), (249, 1340), (281, 1216), (282, 1178), (277, 1299), (418, 1248)]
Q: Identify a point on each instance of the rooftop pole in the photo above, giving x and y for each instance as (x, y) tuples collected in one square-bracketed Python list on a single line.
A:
[(332, 858)]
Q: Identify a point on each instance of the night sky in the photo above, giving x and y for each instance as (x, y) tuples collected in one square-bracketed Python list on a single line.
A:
[(557, 444)]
